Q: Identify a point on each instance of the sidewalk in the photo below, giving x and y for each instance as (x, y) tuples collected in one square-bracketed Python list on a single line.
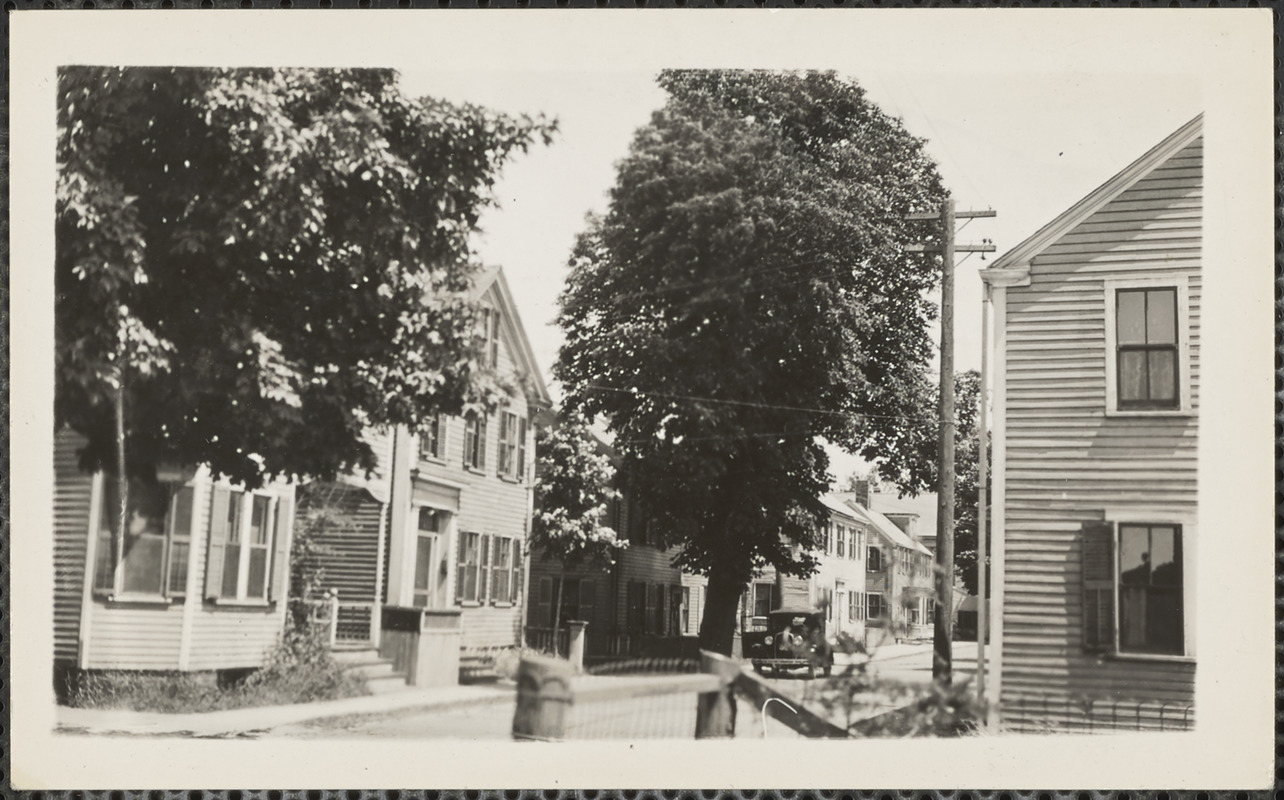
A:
[(249, 721)]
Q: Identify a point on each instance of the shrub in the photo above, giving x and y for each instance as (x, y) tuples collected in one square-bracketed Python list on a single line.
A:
[(872, 706), (299, 669)]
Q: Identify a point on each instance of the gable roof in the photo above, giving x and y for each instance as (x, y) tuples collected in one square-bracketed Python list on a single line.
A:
[(1023, 253), (491, 281), (837, 506), (886, 528)]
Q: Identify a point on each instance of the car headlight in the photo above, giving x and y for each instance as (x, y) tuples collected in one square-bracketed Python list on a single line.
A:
[(769, 640)]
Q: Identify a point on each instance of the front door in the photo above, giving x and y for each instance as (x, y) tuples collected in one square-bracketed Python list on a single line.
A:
[(428, 583)]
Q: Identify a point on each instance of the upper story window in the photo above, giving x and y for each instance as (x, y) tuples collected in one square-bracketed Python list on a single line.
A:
[(475, 441), (842, 541), (490, 336), (875, 561), (512, 445), (1146, 331), (432, 441), (157, 541), (1147, 340)]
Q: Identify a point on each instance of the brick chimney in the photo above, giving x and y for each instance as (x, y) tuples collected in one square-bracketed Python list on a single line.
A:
[(860, 489)]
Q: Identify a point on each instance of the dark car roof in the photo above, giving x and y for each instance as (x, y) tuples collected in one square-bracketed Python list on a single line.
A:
[(793, 612)]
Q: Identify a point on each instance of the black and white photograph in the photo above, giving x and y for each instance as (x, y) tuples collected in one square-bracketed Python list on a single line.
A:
[(501, 398)]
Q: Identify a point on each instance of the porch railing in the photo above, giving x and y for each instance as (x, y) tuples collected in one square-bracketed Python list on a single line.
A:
[(546, 640)]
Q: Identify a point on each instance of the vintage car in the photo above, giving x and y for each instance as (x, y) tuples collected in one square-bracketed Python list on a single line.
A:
[(793, 639)]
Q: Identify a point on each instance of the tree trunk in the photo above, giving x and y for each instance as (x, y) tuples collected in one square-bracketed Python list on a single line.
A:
[(718, 626), (557, 611), (122, 478)]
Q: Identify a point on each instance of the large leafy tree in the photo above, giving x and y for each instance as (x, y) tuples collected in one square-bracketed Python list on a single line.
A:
[(254, 265), (748, 294)]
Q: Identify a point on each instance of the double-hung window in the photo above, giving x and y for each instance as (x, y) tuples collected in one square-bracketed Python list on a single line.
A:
[(875, 561), (1134, 588), (874, 605), (488, 335), (488, 569), (842, 541), (475, 440), (501, 570), (1147, 343), (242, 532), (432, 440), (512, 445), (469, 566), (157, 542)]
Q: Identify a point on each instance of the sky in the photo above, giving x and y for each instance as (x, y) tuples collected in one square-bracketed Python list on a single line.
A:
[(1027, 145)]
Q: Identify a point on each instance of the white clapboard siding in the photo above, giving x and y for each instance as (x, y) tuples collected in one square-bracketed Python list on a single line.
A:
[(127, 636), (1067, 461), (489, 505), (351, 546), (72, 492)]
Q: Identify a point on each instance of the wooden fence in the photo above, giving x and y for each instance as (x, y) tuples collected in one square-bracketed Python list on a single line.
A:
[(720, 700)]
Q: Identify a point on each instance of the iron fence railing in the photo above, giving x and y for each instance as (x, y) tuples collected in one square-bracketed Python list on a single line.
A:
[(1051, 714)]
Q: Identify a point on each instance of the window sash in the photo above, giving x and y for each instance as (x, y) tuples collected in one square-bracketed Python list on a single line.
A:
[(431, 440), (1150, 607), (468, 565), (156, 561), (475, 441), (508, 458), (1147, 336)]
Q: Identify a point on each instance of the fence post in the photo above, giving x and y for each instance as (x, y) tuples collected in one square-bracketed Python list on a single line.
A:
[(716, 711), (543, 697), (575, 648), (334, 616)]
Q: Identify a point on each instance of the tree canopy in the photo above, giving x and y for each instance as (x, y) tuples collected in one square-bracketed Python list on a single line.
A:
[(268, 261), (573, 490), (748, 293)]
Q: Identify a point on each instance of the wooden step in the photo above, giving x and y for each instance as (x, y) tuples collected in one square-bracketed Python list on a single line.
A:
[(378, 673)]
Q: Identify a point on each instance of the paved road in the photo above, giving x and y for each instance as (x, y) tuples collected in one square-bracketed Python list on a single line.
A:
[(671, 716)]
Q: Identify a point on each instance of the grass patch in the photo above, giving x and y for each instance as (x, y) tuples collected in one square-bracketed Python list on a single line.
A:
[(300, 669)]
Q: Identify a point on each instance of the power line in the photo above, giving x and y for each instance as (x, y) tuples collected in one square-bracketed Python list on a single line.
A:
[(855, 416)]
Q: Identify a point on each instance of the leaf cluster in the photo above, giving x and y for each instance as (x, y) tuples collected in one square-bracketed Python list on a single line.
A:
[(573, 491), (748, 294), (269, 260)]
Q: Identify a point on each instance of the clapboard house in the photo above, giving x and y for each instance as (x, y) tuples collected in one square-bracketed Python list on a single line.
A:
[(201, 583), (899, 590), (436, 533), (1096, 399)]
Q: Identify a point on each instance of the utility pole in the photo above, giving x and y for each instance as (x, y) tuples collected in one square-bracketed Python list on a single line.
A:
[(943, 630)]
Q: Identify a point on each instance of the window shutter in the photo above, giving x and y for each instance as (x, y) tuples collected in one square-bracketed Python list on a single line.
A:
[(483, 569), (518, 573), (280, 586), (459, 571), (495, 575), (217, 544), (521, 449), (481, 441), (1098, 566)]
